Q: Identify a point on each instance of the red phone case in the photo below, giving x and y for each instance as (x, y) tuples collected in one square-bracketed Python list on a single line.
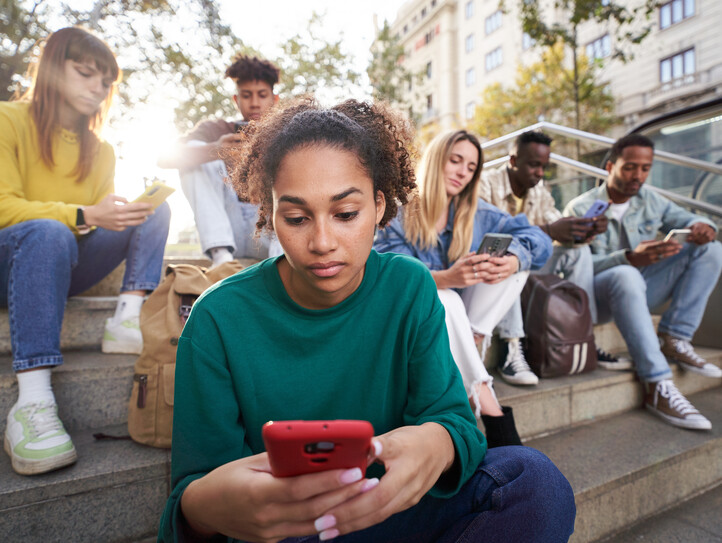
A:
[(296, 447)]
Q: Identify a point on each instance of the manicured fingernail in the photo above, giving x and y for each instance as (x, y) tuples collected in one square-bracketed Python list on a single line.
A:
[(369, 484), (351, 476), (328, 534), (324, 523), (378, 448)]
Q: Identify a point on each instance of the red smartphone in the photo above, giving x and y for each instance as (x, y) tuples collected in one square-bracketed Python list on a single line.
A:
[(296, 447)]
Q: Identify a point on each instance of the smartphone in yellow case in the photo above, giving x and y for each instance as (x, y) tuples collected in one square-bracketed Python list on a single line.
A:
[(155, 194)]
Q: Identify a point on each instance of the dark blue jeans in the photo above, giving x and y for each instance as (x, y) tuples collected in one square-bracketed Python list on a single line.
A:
[(42, 263), (517, 495)]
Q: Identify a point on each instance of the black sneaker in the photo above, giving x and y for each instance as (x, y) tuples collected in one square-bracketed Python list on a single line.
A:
[(610, 362), (512, 365)]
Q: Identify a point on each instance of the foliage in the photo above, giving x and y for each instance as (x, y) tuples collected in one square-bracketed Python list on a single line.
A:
[(310, 64), (631, 23), (386, 71), (545, 90)]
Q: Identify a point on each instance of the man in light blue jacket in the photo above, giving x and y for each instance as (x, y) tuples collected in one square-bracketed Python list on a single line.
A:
[(633, 272)]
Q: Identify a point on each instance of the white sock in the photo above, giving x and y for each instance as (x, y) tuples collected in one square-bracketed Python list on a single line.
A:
[(219, 255), (34, 386), (128, 307)]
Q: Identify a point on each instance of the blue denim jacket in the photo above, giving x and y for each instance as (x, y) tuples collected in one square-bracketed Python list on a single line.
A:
[(649, 213), (530, 245)]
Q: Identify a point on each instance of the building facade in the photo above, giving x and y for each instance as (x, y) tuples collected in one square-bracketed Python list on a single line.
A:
[(458, 47)]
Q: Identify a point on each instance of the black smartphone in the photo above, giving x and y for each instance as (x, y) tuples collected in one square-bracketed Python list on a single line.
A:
[(495, 244)]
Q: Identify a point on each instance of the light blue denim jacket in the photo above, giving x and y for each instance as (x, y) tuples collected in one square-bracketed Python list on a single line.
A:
[(530, 245), (649, 213)]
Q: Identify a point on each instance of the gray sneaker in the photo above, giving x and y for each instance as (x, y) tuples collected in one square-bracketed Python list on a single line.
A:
[(512, 365)]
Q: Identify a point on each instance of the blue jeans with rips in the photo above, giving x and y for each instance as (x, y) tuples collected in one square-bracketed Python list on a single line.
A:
[(516, 494), (626, 294), (42, 263)]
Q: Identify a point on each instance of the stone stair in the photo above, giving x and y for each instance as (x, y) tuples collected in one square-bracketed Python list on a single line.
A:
[(624, 464)]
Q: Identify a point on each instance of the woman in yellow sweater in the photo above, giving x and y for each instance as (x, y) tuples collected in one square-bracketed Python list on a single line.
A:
[(62, 230)]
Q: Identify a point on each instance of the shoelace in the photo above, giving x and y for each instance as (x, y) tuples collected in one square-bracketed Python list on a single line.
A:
[(607, 356), (42, 419), (685, 347), (676, 401), (516, 358)]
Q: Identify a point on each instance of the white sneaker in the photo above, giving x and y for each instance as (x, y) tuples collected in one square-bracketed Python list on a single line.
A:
[(123, 336), (36, 440), (664, 400), (513, 367)]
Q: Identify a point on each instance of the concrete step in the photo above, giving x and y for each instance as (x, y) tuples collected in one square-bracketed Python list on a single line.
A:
[(564, 402), (697, 520), (92, 389), (83, 324), (114, 493), (629, 467)]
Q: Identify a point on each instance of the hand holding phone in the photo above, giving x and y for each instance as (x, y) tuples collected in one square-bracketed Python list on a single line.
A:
[(296, 447), (678, 234), (155, 194), (495, 244)]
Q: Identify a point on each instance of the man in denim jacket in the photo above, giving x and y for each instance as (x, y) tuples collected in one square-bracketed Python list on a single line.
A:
[(634, 272)]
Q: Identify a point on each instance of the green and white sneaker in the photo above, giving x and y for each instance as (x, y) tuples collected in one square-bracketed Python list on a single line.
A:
[(36, 440), (122, 336)]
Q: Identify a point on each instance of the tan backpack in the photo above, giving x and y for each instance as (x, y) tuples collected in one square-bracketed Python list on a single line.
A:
[(150, 410)]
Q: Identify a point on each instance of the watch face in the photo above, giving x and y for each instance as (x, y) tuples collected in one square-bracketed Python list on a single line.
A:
[(80, 217)]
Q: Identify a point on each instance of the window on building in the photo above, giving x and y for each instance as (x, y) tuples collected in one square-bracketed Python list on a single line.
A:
[(429, 103), (674, 11), (527, 41), (493, 22), (469, 43), (599, 48), (428, 70), (406, 28), (470, 110), (423, 13), (433, 3), (494, 59), (470, 77), (469, 9), (681, 65)]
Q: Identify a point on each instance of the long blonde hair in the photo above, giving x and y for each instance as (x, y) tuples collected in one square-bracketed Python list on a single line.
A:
[(423, 212)]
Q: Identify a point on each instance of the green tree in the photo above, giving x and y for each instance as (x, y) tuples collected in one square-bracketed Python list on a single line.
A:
[(546, 89), (631, 24), (161, 44), (310, 64), (386, 71)]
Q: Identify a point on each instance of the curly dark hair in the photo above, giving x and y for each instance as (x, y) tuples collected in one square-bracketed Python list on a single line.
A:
[(245, 68), (533, 136), (376, 134), (630, 140)]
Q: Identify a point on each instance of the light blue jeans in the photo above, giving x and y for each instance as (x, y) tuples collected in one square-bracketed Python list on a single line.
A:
[(42, 263), (626, 294), (221, 219), (573, 264)]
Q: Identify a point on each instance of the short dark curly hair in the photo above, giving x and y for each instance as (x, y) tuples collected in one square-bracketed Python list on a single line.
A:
[(245, 68), (533, 136), (377, 135), (630, 140)]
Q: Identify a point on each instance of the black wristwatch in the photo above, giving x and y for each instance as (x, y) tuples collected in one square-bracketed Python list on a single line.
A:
[(80, 224)]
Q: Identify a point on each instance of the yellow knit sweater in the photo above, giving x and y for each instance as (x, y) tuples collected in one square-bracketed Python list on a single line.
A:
[(29, 189)]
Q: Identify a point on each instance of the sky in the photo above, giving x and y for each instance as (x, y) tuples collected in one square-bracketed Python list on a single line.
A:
[(261, 25)]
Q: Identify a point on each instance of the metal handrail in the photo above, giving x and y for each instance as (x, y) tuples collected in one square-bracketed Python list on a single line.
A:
[(599, 173), (589, 137)]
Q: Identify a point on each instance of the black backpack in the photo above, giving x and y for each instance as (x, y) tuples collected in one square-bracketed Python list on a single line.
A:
[(558, 326)]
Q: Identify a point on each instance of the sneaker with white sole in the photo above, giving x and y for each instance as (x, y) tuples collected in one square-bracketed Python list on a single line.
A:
[(123, 336), (612, 362), (36, 440), (664, 400), (512, 365), (681, 351)]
